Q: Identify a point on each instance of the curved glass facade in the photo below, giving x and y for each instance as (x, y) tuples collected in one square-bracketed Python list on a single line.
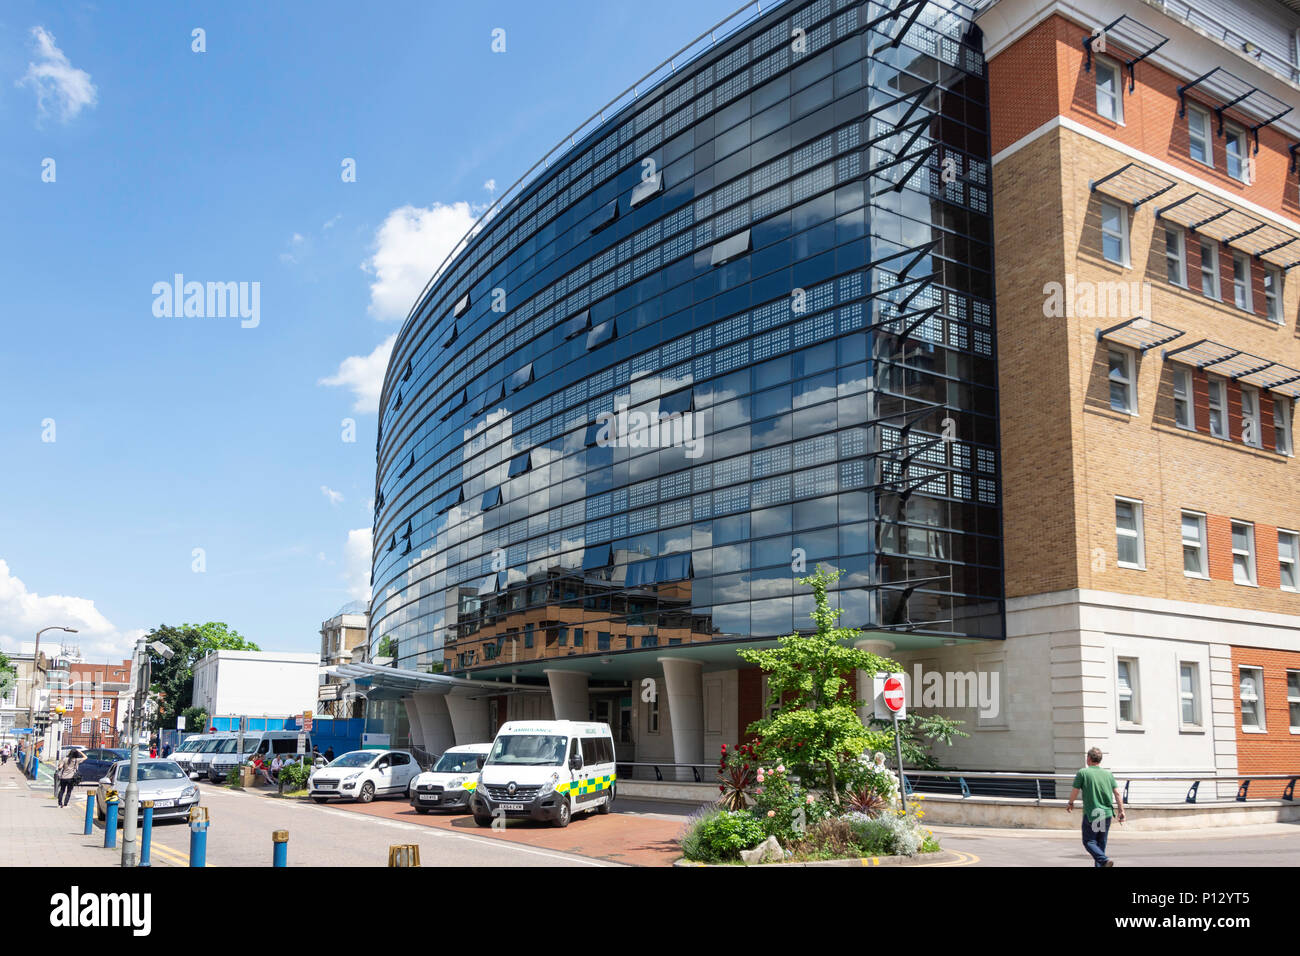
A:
[(742, 328)]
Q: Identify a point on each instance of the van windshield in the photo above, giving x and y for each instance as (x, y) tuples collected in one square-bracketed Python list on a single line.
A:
[(457, 763), (529, 750), (228, 746), (211, 746)]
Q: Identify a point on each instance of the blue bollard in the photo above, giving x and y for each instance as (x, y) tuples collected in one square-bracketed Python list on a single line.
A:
[(90, 814), (146, 833), (110, 824), (280, 848), (199, 837)]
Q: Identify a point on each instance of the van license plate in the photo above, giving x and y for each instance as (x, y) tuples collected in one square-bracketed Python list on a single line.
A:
[(511, 806)]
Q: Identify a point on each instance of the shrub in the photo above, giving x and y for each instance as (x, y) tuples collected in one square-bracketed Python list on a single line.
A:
[(891, 834), (295, 776), (783, 807), (718, 835), (737, 772)]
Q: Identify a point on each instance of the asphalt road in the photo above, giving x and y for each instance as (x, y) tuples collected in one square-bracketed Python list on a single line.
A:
[(1269, 845)]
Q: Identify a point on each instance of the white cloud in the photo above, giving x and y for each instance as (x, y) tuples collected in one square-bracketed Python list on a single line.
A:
[(332, 496), (409, 246), (364, 374), (58, 84), (356, 562), (329, 223), (24, 612)]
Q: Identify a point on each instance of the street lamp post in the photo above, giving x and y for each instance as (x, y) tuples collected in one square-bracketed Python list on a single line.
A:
[(130, 849)]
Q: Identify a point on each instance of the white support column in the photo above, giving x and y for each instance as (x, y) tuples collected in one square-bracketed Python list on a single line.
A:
[(866, 684), (469, 719), (569, 694), (684, 680), (413, 721), (435, 722)]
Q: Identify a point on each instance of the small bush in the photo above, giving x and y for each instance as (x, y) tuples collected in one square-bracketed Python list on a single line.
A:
[(719, 835), (295, 776)]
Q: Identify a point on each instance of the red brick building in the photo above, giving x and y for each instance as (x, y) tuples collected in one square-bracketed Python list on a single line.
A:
[(93, 702)]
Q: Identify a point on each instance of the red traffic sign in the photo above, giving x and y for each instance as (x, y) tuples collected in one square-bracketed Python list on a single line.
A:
[(893, 694)]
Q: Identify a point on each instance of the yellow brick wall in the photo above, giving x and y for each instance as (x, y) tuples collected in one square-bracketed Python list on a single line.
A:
[(1066, 453)]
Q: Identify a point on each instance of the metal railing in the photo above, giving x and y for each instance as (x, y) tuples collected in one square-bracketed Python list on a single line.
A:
[(1014, 784), (658, 769)]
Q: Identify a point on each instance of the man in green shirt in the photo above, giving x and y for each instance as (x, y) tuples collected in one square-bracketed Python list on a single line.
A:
[(1097, 786)]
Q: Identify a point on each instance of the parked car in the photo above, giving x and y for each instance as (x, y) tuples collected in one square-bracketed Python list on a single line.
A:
[(546, 770), (362, 775), (98, 760), (448, 784), (156, 779)]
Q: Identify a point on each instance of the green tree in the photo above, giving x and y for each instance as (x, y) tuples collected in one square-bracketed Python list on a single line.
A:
[(816, 727), (919, 733), (196, 719), (7, 675), (173, 680)]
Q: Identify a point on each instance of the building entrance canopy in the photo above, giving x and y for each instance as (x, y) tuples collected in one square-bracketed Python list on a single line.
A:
[(392, 683)]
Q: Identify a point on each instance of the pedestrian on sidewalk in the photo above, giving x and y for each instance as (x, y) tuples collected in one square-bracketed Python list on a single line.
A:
[(69, 775), (1098, 786)]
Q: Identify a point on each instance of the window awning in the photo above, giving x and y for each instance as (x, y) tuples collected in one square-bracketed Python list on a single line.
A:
[(1216, 220), (1237, 94), (1238, 365), (1130, 35), (1140, 333), (1133, 184), (1275, 378)]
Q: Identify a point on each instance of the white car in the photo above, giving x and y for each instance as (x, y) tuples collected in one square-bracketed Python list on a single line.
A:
[(362, 775), (448, 785)]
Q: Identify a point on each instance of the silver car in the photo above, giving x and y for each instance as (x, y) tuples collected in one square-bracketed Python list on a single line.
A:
[(158, 780)]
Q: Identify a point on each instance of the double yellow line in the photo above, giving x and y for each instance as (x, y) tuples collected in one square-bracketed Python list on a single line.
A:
[(167, 856)]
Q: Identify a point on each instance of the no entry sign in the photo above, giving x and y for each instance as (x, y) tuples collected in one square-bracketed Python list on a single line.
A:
[(890, 697), (894, 694)]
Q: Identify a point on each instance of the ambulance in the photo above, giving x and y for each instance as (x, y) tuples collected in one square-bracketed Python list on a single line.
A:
[(546, 770)]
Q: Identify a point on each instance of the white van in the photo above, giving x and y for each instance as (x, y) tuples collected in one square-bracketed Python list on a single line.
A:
[(188, 748), (546, 770), (202, 758), (447, 785), (267, 743)]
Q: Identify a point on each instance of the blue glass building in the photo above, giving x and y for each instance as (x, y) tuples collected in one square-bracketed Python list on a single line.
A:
[(742, 324)]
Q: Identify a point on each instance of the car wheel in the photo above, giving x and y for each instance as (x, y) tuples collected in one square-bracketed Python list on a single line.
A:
[(608, 804), (565, 814), (483, 819), (320, 799), (367, 792), (421, 809)]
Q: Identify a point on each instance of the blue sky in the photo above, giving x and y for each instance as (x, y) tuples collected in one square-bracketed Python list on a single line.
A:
[(172, 434)]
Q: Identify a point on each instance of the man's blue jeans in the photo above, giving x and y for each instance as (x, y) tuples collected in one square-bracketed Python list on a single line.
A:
[(1094, 838)]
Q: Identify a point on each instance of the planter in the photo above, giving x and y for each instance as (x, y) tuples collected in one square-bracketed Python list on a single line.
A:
[(247, 775), (921, 859)]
